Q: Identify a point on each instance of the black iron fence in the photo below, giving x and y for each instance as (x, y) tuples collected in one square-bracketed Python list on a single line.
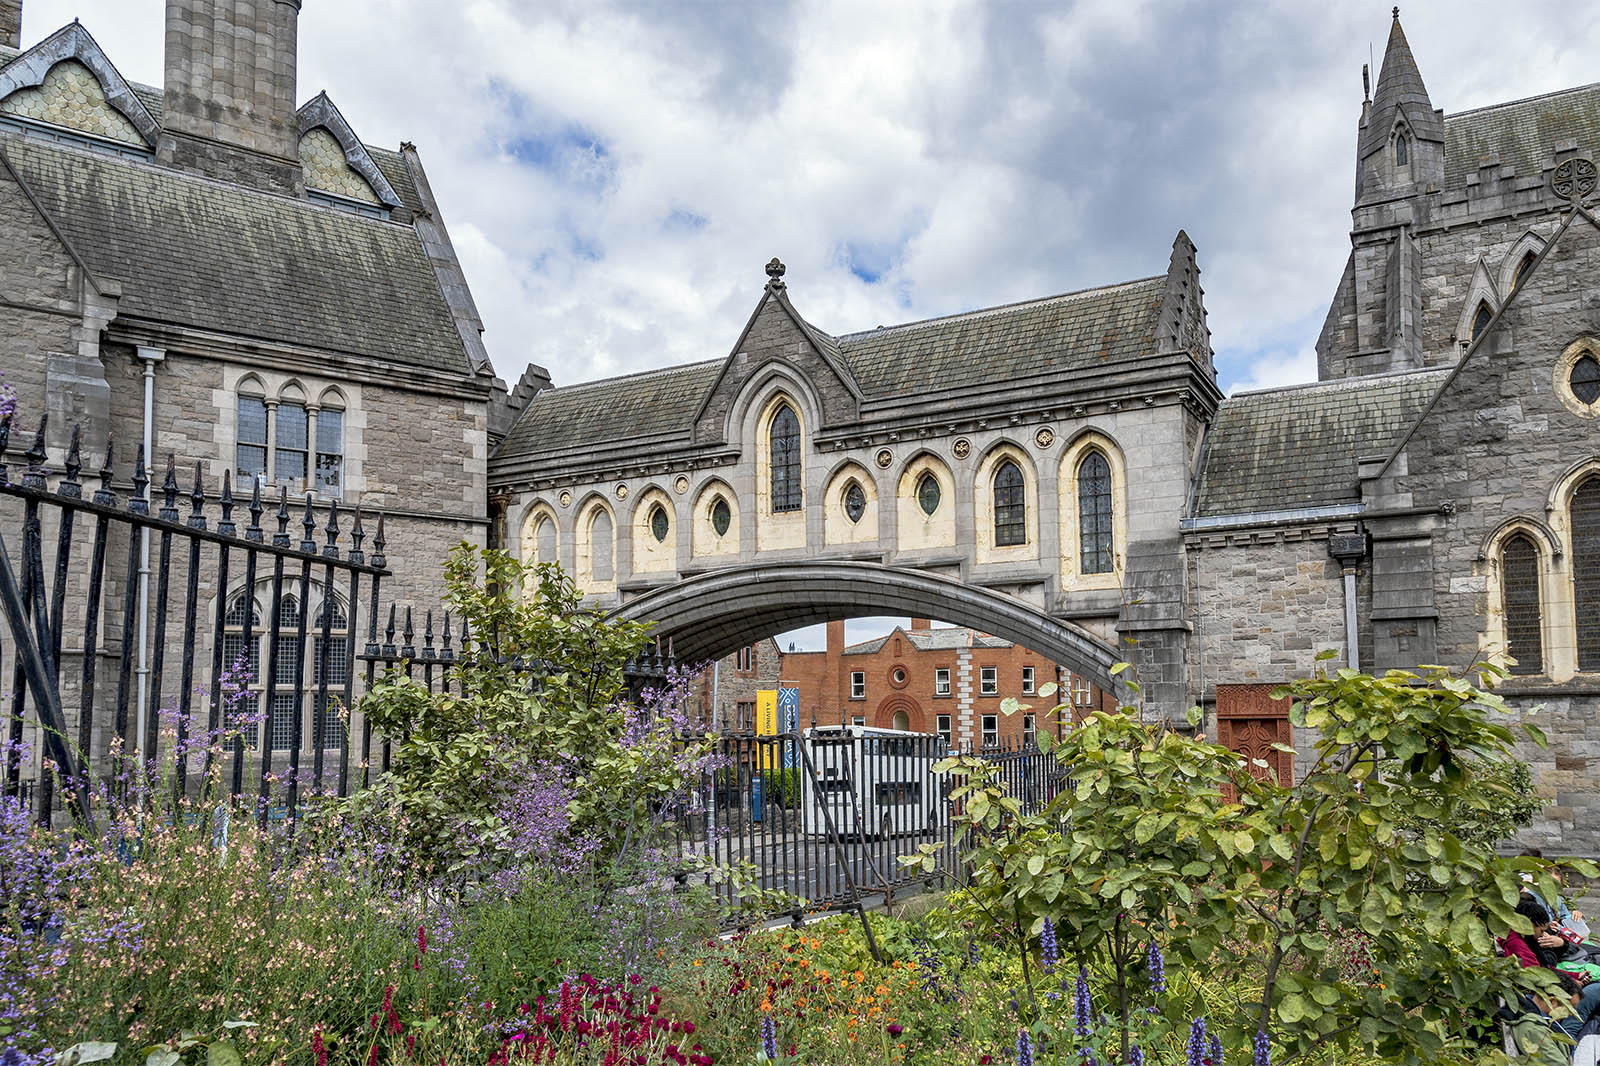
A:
[(144, 629), (822, 818)]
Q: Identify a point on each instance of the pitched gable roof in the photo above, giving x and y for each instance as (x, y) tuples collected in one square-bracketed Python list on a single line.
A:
[(1055, 335), (1296, 447), (72, 41), (204, 254)]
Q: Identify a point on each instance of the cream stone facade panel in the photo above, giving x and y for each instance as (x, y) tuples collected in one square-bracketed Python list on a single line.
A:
[(983, 495), (595, 561), (1088, 443), (837, 525), (707, 542), (917, 529), (653, 555), (777, 530)]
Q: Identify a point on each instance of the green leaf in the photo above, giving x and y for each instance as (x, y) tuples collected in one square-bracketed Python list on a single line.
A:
[(1036, 865), (1326, 995), (161, 1057), (223, 1053), (1291, 1008), (87, 1051)]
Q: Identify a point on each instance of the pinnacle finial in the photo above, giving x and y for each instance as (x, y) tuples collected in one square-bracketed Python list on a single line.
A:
[(1397, 12), (775, 269)]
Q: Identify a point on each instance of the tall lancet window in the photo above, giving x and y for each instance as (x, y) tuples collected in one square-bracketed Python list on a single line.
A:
[(1480, 321), (1519, 587), (1585, 519), (786, 486)]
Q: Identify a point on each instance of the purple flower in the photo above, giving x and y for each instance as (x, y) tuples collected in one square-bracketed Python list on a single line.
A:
[(1082, 1007), (1135, 1056), (1158, 969), (1024, 1049), (1196, 1046), (1047, 946), (1214, 1050), (1263, 1055), (769, 1038)]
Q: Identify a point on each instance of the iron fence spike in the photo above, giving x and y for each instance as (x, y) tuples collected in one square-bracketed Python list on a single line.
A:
[(103, 495), (331, 549), (253, 530), (378, 559), (169, 490), (33, 477), (225, 525), (5, 439), (69, 486), (140, 501), (308, 542), (197, 501)]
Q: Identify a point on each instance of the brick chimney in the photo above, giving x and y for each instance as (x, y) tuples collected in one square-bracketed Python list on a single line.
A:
[(835, 633), (921, 623), (228, 109), (11, 23)]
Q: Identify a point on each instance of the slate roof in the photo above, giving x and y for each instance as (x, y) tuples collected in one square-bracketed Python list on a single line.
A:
[(945, 638), (1521, 133), (1284, 449), (216, 256), (1071, 332)]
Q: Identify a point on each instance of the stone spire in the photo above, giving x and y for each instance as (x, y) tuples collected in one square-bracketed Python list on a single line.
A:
[(1400, 106)]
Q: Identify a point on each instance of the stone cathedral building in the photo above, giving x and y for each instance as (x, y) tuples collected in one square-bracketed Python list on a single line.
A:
[(283, 295)]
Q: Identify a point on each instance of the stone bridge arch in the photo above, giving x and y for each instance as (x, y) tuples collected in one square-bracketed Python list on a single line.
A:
[(711, 615)]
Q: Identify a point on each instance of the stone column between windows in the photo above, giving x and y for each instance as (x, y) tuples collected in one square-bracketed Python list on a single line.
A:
[(272, 440), (311, 447), (964, 706)]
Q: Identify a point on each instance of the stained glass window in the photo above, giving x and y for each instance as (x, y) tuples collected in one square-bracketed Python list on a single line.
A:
[(855, 502), (1586, 571), (1094, 515), (1585, 378), (658, 523), (1402, 150), (787, 492), (1010, 506), (928, 494), (721, 517), (1519, 575)]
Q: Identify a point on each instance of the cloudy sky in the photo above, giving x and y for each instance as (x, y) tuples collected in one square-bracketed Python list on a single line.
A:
[(615, 173)]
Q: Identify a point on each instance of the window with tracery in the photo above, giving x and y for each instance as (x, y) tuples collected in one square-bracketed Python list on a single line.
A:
[(1094, 515), (1519, 589), (659, 524), (855, 502), (787, 492), (1010, 506), (721, 516), (928, 494), (1584, 379), (1585, 519)]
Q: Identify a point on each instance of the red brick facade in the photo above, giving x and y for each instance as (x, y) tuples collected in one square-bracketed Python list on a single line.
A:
[(947, 681)]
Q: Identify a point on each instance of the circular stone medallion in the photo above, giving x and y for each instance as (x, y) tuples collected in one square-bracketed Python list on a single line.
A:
[(566, 498), (622, 491), (961, 448), (1045, 437), (885, 457), (681, 484)]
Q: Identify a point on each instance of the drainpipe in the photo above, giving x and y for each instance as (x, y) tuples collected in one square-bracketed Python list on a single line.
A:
[(149, 357), (1349, 549)]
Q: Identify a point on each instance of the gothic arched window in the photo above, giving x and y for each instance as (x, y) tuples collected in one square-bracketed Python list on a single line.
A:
[(1480, 321), (1585, 517), (928, 494), (659, 524), (1011, 505), (1522, 270), (721, 516), (1094, 515), (1519, 590), (785, 436), (600, 568), (338, 671), (544, 539), (1402, 148)]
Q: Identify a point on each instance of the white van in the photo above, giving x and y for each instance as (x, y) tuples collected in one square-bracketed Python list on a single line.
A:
[(872, 782)]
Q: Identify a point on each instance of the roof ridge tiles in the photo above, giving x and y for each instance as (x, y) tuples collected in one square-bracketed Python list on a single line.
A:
[(1451, 116), (980, 312), (1343, 383), (567, 390)]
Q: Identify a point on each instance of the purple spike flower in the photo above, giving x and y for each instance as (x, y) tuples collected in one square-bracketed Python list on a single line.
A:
[(1196, 1046), (769, 1038), (1024, 1049), (1158, 969), (1135, 1056), (1047, 946), (1082, 1008), (1214, 1050), (1263, 1055)]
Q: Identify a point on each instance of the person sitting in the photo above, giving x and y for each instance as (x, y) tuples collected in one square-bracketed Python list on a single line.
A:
[(1572, 922), (1536, 950)]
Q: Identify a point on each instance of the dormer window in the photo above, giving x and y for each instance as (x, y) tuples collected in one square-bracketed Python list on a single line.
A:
[(1480, 321)]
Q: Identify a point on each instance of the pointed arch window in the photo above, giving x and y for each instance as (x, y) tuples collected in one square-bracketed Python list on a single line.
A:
[(1010, 506), (1519, 589), (1585, 520), (1480, 321), (1094, 515), (855, 502), (285, 706), (544, 539), (785, 437), (659, 525), (928, 494), (721, 516), (1402, 148), (1522, 270), (337, 672), (600, 568)]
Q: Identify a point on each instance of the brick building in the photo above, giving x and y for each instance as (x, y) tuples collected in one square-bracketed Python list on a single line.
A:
[(950, 681), (723, 697)]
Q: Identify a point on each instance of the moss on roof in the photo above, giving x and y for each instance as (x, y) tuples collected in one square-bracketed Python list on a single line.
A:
[(1521, 133)]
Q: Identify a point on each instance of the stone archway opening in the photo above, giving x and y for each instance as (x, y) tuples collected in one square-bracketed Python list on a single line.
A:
[(712, 615)]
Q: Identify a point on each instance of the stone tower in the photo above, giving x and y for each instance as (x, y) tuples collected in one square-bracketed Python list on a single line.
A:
[(229, 105), (10, 23)]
